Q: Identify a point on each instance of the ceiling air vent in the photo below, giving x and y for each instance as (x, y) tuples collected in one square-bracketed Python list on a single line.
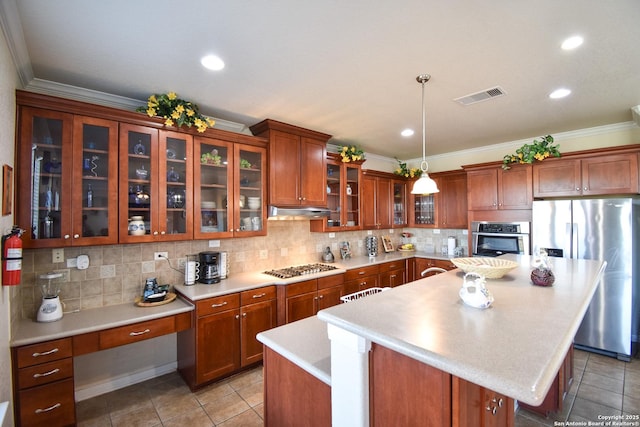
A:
[(481, 96)]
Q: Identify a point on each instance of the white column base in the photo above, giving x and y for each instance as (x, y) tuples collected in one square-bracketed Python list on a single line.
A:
[(349, 378)]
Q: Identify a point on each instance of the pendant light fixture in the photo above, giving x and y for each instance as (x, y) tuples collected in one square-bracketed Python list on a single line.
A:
[(425, 185)]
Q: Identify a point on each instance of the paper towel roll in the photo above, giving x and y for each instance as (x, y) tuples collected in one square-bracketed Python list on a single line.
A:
[(451, 246)]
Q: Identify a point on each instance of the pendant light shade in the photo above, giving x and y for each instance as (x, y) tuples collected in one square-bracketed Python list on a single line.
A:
[(425, 185)]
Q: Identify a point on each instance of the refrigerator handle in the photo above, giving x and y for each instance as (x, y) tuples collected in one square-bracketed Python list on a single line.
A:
[(574, 240)]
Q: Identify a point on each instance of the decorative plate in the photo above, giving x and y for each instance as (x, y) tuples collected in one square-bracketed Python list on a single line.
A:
[(491, 268)]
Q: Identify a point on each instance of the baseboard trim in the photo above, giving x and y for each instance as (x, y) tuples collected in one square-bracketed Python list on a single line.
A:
[(122, 381)]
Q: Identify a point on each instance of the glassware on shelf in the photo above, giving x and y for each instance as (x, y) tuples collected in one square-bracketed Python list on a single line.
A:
[(173, 176)]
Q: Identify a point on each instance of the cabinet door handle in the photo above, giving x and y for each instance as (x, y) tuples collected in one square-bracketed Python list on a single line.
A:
[(577, 188), (585, 188), (321, 296), (135, 334), (361, 273), (50, 408), (219, 305), (46, 353), (237, 316), (155, 233), (46, 374), (76, 236), (66, 236), (162, 232), (244, 314), (259, 295)]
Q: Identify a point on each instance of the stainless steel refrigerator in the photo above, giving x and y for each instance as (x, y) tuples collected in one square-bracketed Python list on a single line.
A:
[(606, 229)]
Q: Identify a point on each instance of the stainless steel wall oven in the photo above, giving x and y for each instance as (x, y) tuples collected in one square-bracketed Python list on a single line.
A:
[(498, 238)]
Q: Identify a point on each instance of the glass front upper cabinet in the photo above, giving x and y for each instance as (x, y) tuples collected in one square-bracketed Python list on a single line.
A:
[(250, 200), (343, 196), (212, 183), (424, 213), (399, 203), (95, 159), (72, 165)]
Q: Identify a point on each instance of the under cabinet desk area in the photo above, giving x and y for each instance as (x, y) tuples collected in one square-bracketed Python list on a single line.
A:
[(42, 353)]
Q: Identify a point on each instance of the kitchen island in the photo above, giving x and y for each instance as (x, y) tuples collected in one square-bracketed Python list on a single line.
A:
[(419, 344)]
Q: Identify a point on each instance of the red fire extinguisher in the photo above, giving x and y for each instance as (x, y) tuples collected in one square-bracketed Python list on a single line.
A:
[(12, 257)]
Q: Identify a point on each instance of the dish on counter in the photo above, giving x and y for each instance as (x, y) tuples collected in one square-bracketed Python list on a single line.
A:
[(166, 299), (491, 268)]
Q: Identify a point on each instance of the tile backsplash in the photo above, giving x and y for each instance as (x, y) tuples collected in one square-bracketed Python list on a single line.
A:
[(116, 273)]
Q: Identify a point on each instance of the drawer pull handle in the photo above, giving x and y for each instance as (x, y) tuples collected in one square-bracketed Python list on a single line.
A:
[(259, 295), (219, 305), (46, 374), (135, 334), (361, 273), (50, 408), (46, 353)]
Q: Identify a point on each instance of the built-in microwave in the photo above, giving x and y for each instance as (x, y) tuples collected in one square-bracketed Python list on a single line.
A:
[(498, 238)]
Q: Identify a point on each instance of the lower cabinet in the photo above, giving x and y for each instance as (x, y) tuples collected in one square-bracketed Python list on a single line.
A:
[(304, 299), (43, 384), (223, 339), (477, 406), (422, 264), (359, 279), (392, 274)]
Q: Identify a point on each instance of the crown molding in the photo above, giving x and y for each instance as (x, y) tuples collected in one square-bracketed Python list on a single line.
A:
[(12, 30), (558, 137)]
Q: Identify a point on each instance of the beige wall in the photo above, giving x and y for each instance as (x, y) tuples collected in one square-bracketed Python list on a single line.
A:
[(9, 305)]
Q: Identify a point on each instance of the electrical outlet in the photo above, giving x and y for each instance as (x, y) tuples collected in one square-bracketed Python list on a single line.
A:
[(182, 262), (332, 235), (160, 255), (214, 243), (264, 254), (57, 255)]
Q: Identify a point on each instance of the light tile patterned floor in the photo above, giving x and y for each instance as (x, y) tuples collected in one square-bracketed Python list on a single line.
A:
[(602, 386)]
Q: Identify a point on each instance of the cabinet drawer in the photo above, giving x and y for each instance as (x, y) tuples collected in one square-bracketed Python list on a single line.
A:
[(45, 373), (48, 405), (43, 352), (330, 281), (361, 284), (217, 304), (361, 272), (302, 287), (257, 295), (137, 332), (393, 265)]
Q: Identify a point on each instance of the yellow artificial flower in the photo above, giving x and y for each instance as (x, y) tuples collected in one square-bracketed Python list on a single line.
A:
[(172, 96), (153, 99), (175, 115), (168, 122), (345, 148), (190, 112), (210, 122), (151, 111), (180, 109)]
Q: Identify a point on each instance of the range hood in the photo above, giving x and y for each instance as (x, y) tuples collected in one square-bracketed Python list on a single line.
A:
[(276, 212)]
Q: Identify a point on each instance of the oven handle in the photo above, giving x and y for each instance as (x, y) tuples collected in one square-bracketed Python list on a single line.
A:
[(478, 233)]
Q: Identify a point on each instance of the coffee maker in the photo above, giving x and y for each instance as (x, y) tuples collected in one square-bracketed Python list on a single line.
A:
[(209, 267)]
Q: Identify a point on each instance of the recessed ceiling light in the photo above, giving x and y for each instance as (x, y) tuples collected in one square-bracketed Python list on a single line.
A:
[(572, 42), (212, 62), (559, 93), (407, 132)]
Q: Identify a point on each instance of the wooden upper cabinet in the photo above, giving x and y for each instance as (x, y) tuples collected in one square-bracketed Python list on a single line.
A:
[(297, 164), (452, 200), (589, 175), (376, 200), (492, 188)]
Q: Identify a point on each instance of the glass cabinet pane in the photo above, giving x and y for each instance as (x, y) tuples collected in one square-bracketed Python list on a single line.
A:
[(175, 167), (95, 180), (48, 195), (139, 172), (424, 208), (399, 203), (213, 186), (251, 196), (352, 191), (333, 195)]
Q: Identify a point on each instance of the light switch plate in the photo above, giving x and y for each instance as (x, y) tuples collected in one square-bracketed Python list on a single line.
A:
[(82, 262)]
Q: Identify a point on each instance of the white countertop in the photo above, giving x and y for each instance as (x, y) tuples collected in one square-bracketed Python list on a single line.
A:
[(29, 331), (515, 347), (246, 281), (305, 343)]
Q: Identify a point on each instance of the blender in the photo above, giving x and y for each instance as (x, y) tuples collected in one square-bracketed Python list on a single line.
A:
[(51, 308)]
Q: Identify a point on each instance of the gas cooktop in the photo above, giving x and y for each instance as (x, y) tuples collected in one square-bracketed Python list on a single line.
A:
[(299, 270)]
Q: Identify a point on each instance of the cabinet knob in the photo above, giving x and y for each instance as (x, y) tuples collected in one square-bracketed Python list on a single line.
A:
[(75, 236), (162, 233), (244, 314), (585, 188), (66, 236), (237, 316), (577, 188)]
